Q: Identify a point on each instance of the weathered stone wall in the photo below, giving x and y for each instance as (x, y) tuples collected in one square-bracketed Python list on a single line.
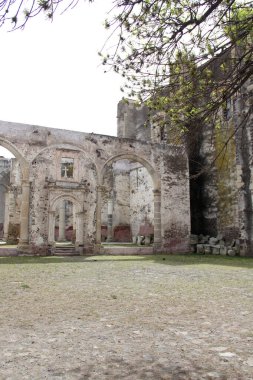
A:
[(227, 191), (48, 184), (132, 121), (225, 196), (218, 199), (42, 167), (14, 202), (243, 119), (141, 201), (4, 184), (106, 195), (39, 152), (221, 197), (2, 209), (175, 190), (120, 193)]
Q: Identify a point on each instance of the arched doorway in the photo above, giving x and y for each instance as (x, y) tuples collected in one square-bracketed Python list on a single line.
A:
[(72, 178), (6, 159), (66, 222), (129, 191), (16, 198)]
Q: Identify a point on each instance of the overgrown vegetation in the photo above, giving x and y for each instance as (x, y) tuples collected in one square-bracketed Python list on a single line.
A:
[(184, 58)]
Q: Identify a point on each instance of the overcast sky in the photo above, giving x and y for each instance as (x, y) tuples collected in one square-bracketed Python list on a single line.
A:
[(51, 73)]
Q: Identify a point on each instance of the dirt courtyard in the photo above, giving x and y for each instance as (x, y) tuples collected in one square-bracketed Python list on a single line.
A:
[(155, 317)]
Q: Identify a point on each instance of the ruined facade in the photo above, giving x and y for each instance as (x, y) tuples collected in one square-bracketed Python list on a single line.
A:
[(221, 196), (89, 188)]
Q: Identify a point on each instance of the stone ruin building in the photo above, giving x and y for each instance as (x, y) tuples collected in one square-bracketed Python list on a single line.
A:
[(221, 204), (89, 189), (85, 188)]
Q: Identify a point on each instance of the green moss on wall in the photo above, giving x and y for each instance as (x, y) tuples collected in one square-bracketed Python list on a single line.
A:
[(225, 163)]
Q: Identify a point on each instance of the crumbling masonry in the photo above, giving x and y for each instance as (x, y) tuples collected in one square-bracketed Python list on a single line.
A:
[(88, 188), (137, 187)]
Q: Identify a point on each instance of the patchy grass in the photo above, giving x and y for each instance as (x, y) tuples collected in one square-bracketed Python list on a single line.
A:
[(132, 317), (187, 259), (25, 286)]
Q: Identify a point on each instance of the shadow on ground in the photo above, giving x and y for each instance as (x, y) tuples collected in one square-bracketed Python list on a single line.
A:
[(117, 368)]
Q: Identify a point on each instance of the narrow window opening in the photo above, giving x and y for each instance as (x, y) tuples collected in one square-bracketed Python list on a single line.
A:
[(67, 167)]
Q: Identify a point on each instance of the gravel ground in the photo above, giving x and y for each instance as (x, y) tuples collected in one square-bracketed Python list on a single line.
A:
[(156, 317)]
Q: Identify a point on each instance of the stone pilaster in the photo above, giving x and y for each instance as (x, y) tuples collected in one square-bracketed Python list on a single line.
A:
[(51, 227), (157, 219), (79, 228), (24, 217), (6, 216), (109, 222), (98, 215), (62, 221)]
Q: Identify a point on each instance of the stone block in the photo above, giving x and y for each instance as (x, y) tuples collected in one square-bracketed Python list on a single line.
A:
[(213, 241), (231, 252), (220, 237), (147, 240), (200, 248), (207, 248), (237, 247), (223, 250), (215, 250), (140, 239)]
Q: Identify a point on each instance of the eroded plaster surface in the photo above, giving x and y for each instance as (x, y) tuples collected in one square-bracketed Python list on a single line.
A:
[(143, 184)]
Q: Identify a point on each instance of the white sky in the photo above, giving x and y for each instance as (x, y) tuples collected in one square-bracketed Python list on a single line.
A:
[(51, 74)]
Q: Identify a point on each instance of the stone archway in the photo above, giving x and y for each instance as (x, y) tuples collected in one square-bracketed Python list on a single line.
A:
[(156, 192), (79, 216), (141, 160), (24, 212)]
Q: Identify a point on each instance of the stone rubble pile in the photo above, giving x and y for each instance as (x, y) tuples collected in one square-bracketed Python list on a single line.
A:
[(214, 245)]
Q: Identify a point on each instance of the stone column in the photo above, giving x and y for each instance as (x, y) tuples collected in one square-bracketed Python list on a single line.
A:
[(79, 228), (109, 220), (51, 227), (74, 221), (6, 216), (24, 217), (98, 215), (157, 219), (62, 221)]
